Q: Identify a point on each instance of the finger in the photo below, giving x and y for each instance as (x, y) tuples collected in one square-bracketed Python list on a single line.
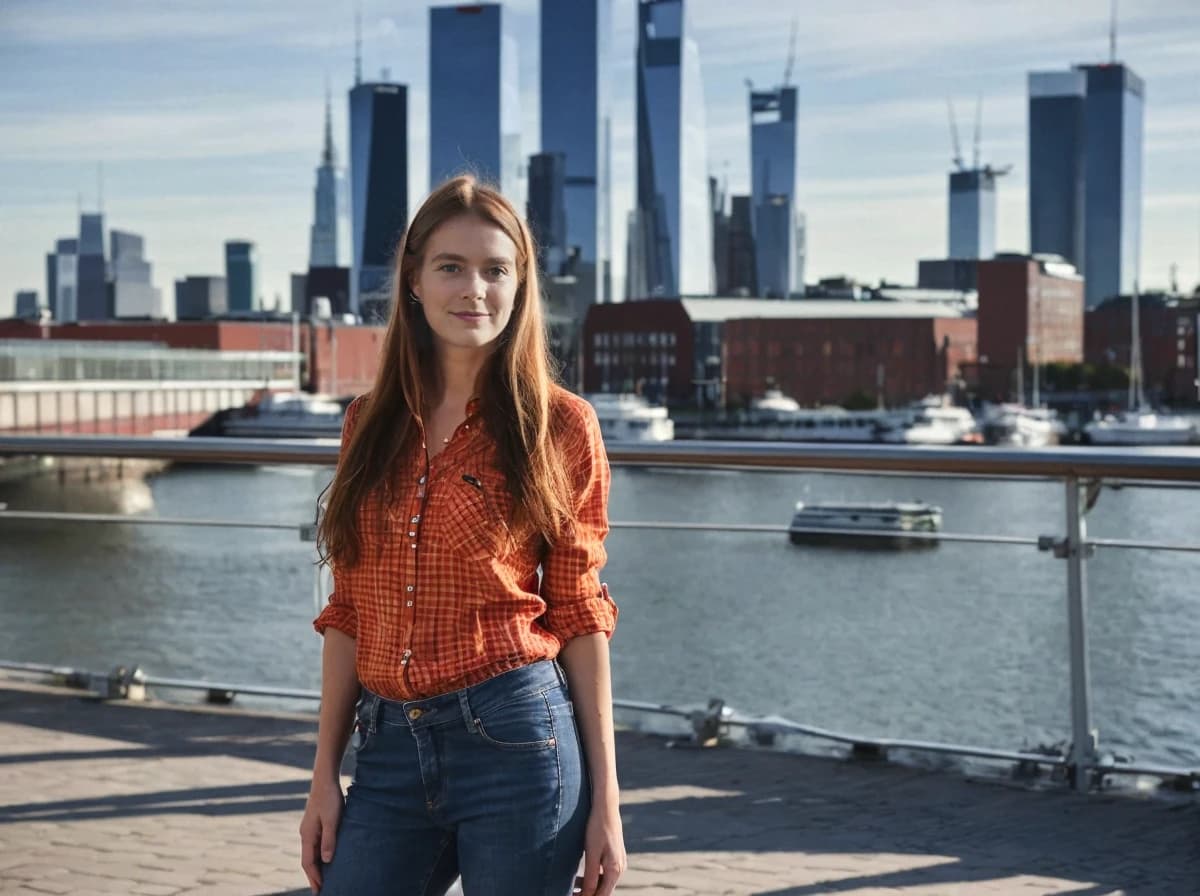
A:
[(328, 841), (608, 880), (591, 875), (310, 859)]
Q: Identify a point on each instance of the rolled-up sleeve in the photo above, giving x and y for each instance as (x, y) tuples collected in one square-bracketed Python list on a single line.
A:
[(339, 612), (577, 603)]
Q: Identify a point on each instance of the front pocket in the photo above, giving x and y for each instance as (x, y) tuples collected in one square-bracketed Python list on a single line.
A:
[(520, 725), (478, 528)]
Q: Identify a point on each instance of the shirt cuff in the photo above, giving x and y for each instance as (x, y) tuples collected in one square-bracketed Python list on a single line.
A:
[(585, 616), (338, 616)]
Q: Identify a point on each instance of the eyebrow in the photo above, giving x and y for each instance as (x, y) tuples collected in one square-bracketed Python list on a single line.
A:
[(450, 256)]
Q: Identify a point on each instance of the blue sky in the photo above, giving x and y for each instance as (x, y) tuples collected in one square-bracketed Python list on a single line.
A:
[(207, 117)]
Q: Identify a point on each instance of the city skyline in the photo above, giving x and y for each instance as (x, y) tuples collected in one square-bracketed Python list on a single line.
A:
[(196, 153)]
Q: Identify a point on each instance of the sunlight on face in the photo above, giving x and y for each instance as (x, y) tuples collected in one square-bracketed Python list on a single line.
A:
[(467, 284)]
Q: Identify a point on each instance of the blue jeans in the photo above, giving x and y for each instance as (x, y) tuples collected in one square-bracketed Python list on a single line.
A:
[(488, 782)]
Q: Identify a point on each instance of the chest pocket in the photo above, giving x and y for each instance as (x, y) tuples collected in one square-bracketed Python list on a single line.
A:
[(478, 507)]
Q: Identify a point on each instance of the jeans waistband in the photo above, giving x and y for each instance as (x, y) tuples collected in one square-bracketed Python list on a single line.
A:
[(465, 704)]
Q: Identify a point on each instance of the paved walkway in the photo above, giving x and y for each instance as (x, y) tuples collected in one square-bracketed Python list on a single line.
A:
[(104, 798)]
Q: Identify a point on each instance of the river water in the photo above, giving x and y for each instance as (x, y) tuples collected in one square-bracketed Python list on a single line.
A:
[(962, 642)]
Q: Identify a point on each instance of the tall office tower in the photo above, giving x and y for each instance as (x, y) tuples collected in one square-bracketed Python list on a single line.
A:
[(743, 268), (773, 185), (322, 246), (474, 96), (674, 222), (378, 192), (241, 275), (1056, 144), (133, 293), (546, 210), (720, 236), (1085, 173), (91, 285), (575, 110), (62, 268), (973, 212)]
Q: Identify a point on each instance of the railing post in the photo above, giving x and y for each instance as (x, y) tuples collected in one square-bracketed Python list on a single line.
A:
[(1083, 743)]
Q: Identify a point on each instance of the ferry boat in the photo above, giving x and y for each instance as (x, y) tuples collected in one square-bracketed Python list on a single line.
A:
[(896, 519), (631, 418)]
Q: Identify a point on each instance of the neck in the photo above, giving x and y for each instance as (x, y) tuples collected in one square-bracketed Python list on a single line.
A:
[(459, 376)]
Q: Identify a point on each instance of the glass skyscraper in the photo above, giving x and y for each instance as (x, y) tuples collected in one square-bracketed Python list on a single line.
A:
[(1085, 173), (575, 38), (671, 233), (973, 213), (91, 284), (378, 191), (778, 231), (474, 97), (241, 275)]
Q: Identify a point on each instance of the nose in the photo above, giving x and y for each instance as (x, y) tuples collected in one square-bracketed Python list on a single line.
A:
[(475, 287)]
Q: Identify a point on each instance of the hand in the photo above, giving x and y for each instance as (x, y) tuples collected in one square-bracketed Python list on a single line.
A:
[(318, 828), (603, 850)]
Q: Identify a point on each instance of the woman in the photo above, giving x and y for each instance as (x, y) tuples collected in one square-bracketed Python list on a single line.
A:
[(465, 527)]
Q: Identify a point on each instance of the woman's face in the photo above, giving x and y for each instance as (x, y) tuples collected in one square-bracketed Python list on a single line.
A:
[(467, 284)]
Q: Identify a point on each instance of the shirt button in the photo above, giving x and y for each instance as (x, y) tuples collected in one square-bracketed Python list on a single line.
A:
[(408, 603), (408, 588), (412, 534), (413, 546), (415, 519), (421, 481)]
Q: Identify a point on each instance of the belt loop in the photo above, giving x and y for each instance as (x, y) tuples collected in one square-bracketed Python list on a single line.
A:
[(373, 713), (562, 675), (465, 705)]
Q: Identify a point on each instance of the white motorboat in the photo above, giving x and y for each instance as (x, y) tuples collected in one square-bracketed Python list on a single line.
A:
[(933, 422), (1142, 427), (1021, 426), (881, 523), (630, 418), (295, 415)]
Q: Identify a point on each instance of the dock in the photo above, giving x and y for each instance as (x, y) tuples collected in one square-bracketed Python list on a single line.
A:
[(106, 797)]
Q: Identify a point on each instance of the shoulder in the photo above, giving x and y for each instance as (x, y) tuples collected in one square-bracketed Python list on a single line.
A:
[(572, 416), (352, 411)]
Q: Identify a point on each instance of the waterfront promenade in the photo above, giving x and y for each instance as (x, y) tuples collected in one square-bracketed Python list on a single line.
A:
[(104, 798)]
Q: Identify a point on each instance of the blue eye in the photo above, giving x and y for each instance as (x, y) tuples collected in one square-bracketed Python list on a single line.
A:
[(449, 268)]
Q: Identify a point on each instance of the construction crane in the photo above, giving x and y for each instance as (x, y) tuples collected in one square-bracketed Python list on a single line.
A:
[(958, 160), (791, 58)]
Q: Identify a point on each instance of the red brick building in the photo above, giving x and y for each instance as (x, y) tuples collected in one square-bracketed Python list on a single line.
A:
[(1031, 311), (354, 349), (714, 351), (1170, 337)]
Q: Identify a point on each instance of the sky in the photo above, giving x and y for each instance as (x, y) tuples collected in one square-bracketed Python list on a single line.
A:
[(206, 118)]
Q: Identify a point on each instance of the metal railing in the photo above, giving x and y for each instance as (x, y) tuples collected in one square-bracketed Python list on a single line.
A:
[(1082, 472)]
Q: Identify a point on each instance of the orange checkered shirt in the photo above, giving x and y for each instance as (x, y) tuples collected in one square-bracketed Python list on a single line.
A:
[(440, 597)]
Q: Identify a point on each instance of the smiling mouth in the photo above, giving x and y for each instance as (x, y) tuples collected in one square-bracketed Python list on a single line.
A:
[(470, 315)]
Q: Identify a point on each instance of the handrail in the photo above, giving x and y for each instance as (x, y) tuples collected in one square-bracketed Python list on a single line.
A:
[(1149, 464)]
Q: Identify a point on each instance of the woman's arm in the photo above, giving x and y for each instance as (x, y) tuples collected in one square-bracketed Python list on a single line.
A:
[(323, 811), (585, 660)]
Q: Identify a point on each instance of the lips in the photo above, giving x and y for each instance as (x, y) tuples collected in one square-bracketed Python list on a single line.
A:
[(469, 315)]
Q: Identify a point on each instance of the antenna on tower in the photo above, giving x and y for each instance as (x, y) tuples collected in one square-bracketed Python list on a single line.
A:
[(357, 45), (1112, 34), (791, 57), (958, 162), (978, 127)]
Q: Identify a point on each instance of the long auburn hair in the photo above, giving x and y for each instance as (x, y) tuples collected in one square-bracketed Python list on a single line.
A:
[(515, 387)]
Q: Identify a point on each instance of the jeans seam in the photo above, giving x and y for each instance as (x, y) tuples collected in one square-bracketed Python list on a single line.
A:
[(436, 861), (558, 793)]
